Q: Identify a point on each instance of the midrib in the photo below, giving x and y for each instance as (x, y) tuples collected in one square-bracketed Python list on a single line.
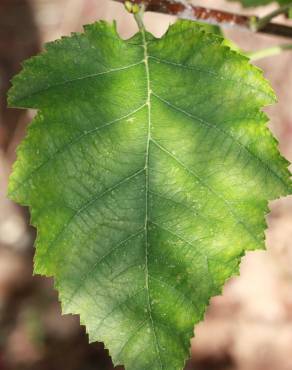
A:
[(148, 104)]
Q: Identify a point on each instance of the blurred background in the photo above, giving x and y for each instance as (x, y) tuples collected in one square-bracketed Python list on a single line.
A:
[(249, 327)]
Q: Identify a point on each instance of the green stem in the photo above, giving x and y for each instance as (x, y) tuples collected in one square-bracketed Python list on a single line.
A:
[(137, 10), (262, 22), (267, 52), (139, 17)]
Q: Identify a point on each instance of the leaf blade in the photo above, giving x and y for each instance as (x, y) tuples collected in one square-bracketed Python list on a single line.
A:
[(137, 158), (255, 3)]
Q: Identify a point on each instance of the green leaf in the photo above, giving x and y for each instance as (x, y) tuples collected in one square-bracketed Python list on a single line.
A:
[(211, 28), (148, 171), (254, 3)]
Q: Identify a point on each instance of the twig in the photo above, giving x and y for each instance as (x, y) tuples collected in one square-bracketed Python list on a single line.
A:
[(218, 17), (268, 52), (262, 22)]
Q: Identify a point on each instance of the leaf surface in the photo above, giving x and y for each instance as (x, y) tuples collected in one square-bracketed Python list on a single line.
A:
[(254, 3), (148, 170)]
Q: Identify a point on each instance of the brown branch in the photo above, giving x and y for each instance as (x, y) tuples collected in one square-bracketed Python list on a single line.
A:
[(218, 17)]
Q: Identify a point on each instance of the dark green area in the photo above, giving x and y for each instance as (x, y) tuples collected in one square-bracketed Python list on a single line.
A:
[(253, 3)]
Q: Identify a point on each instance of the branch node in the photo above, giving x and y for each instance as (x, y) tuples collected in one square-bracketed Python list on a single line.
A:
[(183, 9), (132, 8)]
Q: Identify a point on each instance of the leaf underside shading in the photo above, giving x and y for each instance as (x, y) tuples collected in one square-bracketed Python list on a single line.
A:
[(147, 170), (254, 3)]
